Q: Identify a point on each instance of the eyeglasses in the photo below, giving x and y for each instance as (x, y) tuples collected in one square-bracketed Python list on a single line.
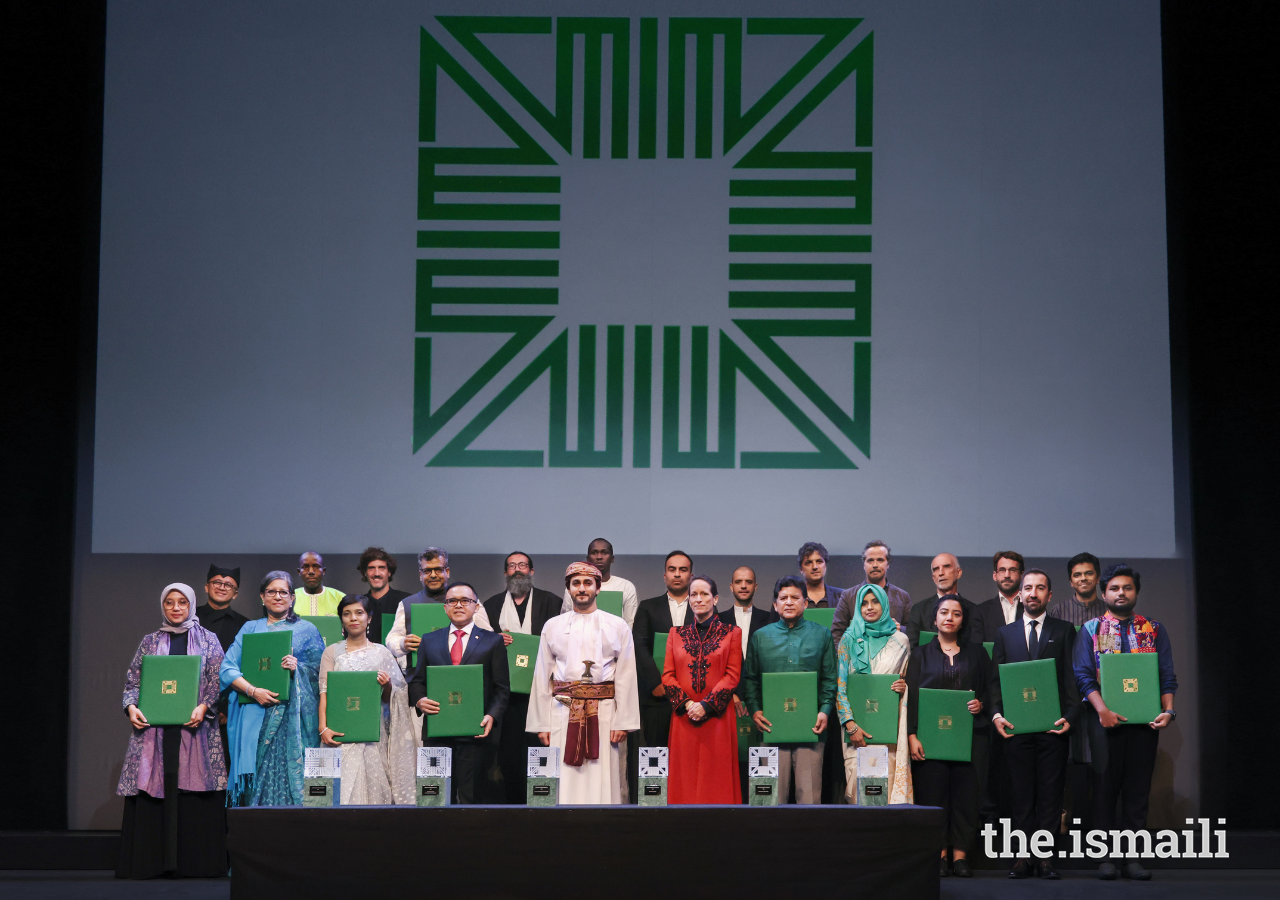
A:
[(223, 585), (277, 594), (521, 566), (434, 570), (458, 601)]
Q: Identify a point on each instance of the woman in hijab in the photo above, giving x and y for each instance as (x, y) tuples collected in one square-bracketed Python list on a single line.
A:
[(873, 645), (385, 772), (175, 778), (268, 737)]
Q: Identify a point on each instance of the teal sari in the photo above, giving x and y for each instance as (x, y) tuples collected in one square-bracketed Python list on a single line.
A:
[(268, 743)]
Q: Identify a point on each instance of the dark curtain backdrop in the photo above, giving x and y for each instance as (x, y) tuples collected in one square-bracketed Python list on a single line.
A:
[(1220, 99)]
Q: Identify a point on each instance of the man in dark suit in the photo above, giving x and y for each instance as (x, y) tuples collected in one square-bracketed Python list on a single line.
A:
[(1036, 763), (657, 615), (1007, 567), (946, 572), (747, 616), (525, 609), (463, 644)]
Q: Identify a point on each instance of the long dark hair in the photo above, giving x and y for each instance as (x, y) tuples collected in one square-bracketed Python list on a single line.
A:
[(962, 636), (352, 600)]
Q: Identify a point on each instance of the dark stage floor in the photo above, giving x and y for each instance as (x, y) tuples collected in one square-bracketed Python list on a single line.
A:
[(1168, 885)]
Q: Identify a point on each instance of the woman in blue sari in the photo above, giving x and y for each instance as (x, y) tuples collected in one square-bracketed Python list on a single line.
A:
[(268, 738)]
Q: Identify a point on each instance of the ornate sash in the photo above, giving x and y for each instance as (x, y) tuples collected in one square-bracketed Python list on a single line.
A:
[(582, 740)]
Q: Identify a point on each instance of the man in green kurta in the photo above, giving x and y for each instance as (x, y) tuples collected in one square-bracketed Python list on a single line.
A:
[(793, 645)]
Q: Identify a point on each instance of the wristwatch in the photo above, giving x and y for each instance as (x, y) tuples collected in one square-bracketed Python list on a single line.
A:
[(1173, 713)]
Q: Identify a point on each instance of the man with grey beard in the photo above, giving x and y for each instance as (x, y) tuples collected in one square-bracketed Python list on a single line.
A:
[(521, 609)]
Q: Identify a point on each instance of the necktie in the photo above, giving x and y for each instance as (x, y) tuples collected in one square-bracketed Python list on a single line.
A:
[(455, 652), (1033, 643)]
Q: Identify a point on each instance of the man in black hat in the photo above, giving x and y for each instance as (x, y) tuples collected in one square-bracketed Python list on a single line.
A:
[(221, 586)]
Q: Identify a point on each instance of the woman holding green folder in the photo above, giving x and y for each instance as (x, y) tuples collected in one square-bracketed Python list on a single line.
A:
[(873, 645), (951, 663), (379, 773), (174, 777), (268, 736)]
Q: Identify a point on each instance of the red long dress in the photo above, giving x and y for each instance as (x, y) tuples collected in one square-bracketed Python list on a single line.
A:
[(704, 755)]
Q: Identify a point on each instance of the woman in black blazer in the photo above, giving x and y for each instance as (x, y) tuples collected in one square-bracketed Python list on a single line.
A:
[(951, 663)]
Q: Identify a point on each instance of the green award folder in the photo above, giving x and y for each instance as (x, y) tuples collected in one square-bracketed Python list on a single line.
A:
[(460, 692), (522, 656), (1029, 691), (610, 602), (822, 615), (353, 706), (791, 706), (660, 650), (260, 662), (945, 726), (423, 619), (1131, 685), (874, 705), (330, 627), (927, 636), (170, 688), (388, 622)]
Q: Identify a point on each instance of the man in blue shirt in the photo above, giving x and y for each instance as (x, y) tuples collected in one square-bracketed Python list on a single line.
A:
[(1124, 753)]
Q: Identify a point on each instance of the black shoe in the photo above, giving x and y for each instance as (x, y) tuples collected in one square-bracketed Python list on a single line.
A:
[(960, 869), (1107, 872), (1044, 869), (1021, 869), (944, 868), (1135, 872)]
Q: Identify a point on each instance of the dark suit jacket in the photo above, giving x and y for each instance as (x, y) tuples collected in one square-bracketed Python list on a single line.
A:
[(759, 619), (924, 614), (1057, 638), (990, 618), (484, 648), (543, 605), (652, 617)]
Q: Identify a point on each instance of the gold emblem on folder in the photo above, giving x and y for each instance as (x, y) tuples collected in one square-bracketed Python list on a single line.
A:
[(873, 706), (1131, 685), (522, 660), (789, 704), (168, 687), (1028, 695), (944, 723), (353, 704), (264, 664), (455, 698)]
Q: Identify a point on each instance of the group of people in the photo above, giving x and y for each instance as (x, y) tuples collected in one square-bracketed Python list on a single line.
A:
[(599, 693)]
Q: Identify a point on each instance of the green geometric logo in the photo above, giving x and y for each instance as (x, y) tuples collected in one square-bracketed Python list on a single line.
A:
[(822, 298)]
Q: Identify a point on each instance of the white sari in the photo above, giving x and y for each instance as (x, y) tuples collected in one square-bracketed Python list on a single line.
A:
[(383, 773), (891, 660)]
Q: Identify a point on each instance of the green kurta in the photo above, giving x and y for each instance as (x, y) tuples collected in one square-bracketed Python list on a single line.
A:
[(806, 647)]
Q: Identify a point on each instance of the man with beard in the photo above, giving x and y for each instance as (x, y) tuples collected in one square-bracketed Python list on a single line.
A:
[(657, 615), (377, 567), (584, 692), (600, 555), (522, 609), (1006, 606), (433, 571), (1123, 754), (945, 570), (313, 598), (875, 566)]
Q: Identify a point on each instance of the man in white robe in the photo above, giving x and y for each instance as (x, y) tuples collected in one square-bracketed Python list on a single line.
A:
[(586, 714)]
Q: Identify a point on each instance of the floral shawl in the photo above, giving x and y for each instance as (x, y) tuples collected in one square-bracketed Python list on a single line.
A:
[(201, 766)]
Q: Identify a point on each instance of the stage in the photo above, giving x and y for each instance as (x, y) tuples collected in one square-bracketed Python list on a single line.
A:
[(613, 851)]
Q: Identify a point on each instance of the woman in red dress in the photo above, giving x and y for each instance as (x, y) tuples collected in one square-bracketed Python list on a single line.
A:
[(704, 662)]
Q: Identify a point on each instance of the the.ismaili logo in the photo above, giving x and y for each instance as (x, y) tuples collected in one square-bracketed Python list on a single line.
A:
[(789, 199)]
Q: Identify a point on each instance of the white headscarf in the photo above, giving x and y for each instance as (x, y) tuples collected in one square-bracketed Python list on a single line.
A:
[(192, 618)]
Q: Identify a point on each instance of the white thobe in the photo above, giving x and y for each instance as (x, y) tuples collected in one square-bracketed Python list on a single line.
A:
[(630, 599), (568, 640)]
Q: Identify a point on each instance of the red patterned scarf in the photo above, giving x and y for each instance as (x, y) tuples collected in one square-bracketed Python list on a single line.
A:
[(1108, 637)]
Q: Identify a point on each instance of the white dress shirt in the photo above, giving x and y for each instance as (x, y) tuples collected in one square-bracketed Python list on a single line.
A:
[(1026, 629), (742, 615), (1010, 609), (678, 611), (466, 635)]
